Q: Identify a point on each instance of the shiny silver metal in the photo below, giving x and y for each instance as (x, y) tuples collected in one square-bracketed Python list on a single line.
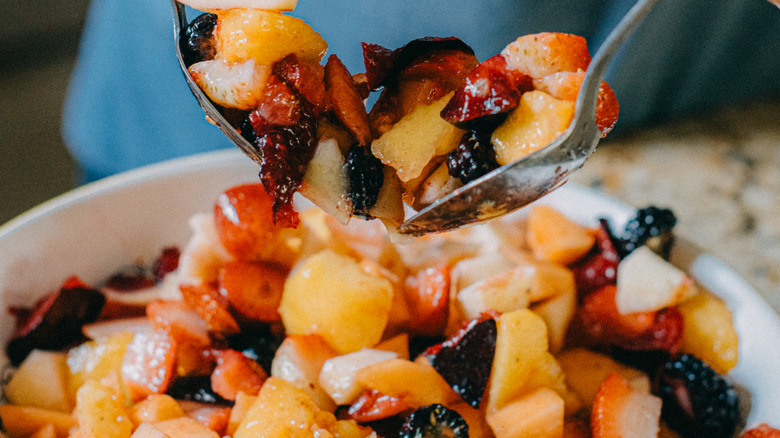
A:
[(519, 183), (507, 188), (212, 115)]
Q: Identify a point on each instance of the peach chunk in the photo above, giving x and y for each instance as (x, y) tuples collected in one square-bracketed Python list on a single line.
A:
[(266, 36), (534, 124), (566, 85), (554, 237)]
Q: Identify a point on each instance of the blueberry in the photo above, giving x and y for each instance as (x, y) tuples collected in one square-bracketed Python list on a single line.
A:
[(366, 177), (197, 42), (434, 421)]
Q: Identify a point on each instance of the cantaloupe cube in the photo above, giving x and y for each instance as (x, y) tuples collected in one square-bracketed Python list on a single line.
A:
[(557, 313), (185, 427), (709, 332), (585, 370), (101, 412), (330, 295), (283, 409), (554, 237), (155, 408), (414, 140), (535, 123), (545, 53), (399, 344), (26, 420), (299, 360), (146, 430), (266, 36), (94, 360), (538, 414), (416, 383), (27, 388), (521, 346), (475, 418)]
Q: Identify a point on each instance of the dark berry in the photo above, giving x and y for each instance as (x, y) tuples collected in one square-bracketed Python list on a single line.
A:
[(473, 157), (465, 360), (130, 279), (366, 177), (55, 321), (434, 421), (166, 263), (258, 343), (697, 401), (196, 389), (197, 42), (649, 222)]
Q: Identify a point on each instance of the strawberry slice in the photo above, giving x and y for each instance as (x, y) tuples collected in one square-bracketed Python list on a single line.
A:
[(763, 430), (254, 290), (211, 307), (236, 373), (180, 321), (306, 78), (149, 364), (428, 296), (346, 99), (599, 268), (620, 411), (490, 89), (373, 406)]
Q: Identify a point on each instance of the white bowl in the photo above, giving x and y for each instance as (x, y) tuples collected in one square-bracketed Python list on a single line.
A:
[(93, 230)]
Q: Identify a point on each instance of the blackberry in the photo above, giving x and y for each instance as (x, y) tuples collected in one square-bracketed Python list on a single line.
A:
[(473, 157), (196, 389), (697, 401), (434, 421), (196, 41), (366, 177), (649, 223), (258, 343)]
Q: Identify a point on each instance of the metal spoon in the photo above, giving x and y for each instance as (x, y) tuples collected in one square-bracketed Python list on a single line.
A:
[(504, 189), (519, 183), (212, 115)]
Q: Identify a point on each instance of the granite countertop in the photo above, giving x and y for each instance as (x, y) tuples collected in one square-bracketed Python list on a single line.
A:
[(720, 174)]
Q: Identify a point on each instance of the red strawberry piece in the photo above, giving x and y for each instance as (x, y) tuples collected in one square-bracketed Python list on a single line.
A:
[(254, 290), (244, 220), (664, 334), (236, 373), (620, 411), (763, 430), (489, 89), (149, 364), (428, 295), (306, 79), (166, 263), (215, 418), (373, 406), (378, 61), (178, 320), (599, 268), (212, 307), (347, 101)]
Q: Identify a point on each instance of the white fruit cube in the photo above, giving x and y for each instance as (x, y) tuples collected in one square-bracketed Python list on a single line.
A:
[(337, 376), (646, 283)]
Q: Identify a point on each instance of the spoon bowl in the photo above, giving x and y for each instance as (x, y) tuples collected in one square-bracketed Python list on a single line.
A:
[(507, 188)]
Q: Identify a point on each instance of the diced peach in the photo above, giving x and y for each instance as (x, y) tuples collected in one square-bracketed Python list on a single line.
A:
[(27, 388), (239, 410), (554, 237), (94, 360), (265, 36), (26, 420), (299, 360), (155, 408), (415, 383), (534, 124), (586, 369), (47, 431), (146, 430), (709, 332), (535, 415), (185, 427), (101, 412), (557, 313), (236, 373), (566, 85)]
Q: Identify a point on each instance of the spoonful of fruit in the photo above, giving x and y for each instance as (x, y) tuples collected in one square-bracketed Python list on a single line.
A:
[(521, 182), (461, 141)]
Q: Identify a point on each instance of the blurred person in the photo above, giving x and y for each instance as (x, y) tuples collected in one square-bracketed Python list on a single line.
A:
[(128, 104)]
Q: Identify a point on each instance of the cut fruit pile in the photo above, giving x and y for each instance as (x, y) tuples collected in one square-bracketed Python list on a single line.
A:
[(531, 326), (442, 118)]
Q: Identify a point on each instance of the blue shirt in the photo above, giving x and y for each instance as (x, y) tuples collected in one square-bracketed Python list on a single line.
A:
[(128, 104)]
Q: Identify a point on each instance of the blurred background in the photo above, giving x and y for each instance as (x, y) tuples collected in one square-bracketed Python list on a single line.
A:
[(719, 171)]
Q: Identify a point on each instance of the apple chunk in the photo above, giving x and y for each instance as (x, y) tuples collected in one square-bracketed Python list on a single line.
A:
[(646, 283), (415, 139)]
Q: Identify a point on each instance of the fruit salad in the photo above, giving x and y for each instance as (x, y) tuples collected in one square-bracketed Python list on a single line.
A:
[(530, 326), (442, 118)]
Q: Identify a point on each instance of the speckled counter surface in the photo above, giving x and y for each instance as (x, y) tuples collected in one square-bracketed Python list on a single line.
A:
[(721, 176)]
